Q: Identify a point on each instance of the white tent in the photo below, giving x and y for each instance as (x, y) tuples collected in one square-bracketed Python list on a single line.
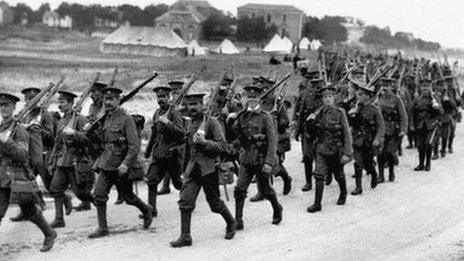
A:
[(304, 43), (194, 48), (288, 43), (276, 44), (227, 47), (141, 40), (315, 45)]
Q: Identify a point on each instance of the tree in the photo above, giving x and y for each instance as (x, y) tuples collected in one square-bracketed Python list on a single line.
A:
[(329, 29), (20, 12), (216, 27), (38, 14), (151, 12), (131, 13), (254, 29)]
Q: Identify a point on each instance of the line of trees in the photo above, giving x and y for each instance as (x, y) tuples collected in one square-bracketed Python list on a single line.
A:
[(383, 37), (328, 29)]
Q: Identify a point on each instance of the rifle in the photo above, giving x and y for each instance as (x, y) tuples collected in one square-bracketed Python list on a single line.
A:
[(273, 88), (209, 108), (113, 77), (100, 118), (180, 96), (231, 93), (323, 68), (30, 105)]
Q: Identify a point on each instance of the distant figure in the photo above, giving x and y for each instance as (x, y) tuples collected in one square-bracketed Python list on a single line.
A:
[(287, 58), (274, 61)]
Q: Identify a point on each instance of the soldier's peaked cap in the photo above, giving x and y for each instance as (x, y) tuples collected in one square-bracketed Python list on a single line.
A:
[(112, 91), (8, 98), (99, 86), (195, 96), (30, 90), (328, 89), (162, 88), (176, 84), (253, 88), (67, 95)]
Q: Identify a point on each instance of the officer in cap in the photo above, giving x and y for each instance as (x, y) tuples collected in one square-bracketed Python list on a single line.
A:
[(202, 148), (329, 125), (121, 147), (368, 131), (21, 187), (66, 152), (167, 133), (256, 135)]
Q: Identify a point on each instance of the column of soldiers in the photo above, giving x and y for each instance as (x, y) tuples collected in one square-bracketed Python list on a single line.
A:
[(360, 112)]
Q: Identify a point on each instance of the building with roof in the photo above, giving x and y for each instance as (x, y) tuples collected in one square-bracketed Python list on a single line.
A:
[(288, 19), (141, 40), (53, 19), (185, 18), (6, 14)]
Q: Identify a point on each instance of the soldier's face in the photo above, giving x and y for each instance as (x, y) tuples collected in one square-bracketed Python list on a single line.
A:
[(162, 98), (328, 99), (7, 109), (194, 108), (362, 96), (64, 105), (29, 96), (96, 96), (111, 102), (251, 99)]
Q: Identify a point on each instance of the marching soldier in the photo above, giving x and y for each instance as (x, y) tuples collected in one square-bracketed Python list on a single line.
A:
[(65, 156), (329, 126), (396, 124), (40, 127), (201, 152), (257, 137), (310, 102), (425, 112), (446, 122), (121, 147), (19, 186), (453, 94), (368, 130), (167, 133)]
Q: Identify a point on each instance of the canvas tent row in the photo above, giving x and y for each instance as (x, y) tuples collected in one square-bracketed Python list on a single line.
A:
[(288, 43), (315, 45), (140, 40), (304, 44), (226, 47), (277, 44), (194, 48)]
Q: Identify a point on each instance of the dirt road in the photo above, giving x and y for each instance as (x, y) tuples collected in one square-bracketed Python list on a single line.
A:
[(417, 217)]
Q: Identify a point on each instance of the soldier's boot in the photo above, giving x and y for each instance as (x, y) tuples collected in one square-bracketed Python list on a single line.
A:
[(391, 172), (102, 229), (443, 148), (59, 219), (49, 233), (308, 175), (329, 179), (239, 213), (381, 166), (286, 179), (277, 208), (427, 160), (67, 204), (258, 197), (358, 177), (450, 143), (318, 198), (185, 239), (83, 206), (146, 210), (435, 151), (230, 221), (421, 160), (343, 191), (374, 177), (152, 192), (19, 217)]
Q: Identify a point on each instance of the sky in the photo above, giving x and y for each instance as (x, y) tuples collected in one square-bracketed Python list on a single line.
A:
[(432, 20)]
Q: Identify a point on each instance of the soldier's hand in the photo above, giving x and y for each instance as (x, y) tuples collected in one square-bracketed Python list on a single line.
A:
[(122, 169), (267, 169), (345, 159), (68, 131), (375, 143), (225, 111), (401, 134), (232, 116), (164, 120), (199, 138)]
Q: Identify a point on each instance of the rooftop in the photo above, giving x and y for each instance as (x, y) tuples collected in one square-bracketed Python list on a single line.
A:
[(267, 7)]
